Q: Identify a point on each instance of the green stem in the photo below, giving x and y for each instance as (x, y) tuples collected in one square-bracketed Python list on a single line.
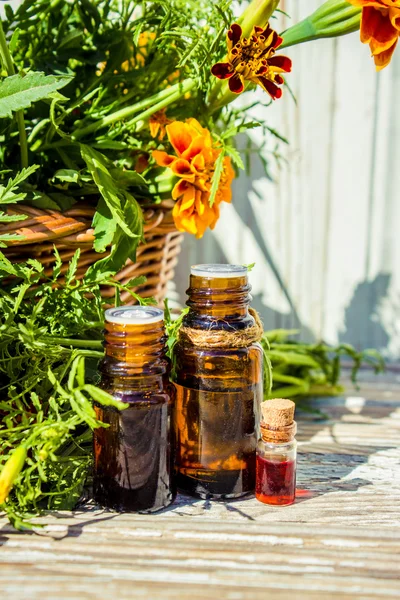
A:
[(158, 106), (156, 102), (60, 341), (9, 66)]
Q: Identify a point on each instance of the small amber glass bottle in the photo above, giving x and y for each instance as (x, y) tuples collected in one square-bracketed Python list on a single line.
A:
[(219, 386), (276, 454), (133, 457)]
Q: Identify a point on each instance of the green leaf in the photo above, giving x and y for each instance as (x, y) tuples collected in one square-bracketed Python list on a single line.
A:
[(104, 227), (103, 397), (123, 247), (250, 266), (7, 195), (18, 93), (235, 129), (57, 265), (235, 156), (9, 237), (11, 218), (73, 39), (68, 175), (98, 166), (43, 201), (63, 201), (73, 265), (276, 134), (128, 178), (219, 167), (14, 40)]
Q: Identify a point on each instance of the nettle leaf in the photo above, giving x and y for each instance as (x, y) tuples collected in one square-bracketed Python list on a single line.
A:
[(113, 196), (18, 92)]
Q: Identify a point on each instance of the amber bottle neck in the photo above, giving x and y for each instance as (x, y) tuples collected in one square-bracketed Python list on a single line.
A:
[(134, 351), (219, 298)]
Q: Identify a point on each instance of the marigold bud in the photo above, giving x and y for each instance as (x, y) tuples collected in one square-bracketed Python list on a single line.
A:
[(258, 14), (10, 471), (332, 19)]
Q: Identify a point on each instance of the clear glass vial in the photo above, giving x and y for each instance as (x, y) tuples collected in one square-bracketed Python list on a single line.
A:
[(219, 389), (133, 457), (276, 454)]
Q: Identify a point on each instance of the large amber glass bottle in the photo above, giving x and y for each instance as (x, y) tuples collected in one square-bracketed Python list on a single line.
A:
[(219, 386), (133, 469)]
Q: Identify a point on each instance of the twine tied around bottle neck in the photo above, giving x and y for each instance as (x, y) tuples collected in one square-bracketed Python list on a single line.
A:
[(220, 338)]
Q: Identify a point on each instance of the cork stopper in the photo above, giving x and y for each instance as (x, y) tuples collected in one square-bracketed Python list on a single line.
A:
[(278, 423)]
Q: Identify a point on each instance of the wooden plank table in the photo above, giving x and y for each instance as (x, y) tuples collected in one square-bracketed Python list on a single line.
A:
[(341, 539)]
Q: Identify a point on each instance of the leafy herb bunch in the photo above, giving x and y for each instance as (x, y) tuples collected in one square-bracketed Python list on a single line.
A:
[(50, 344), (94, 84), (82, 79)]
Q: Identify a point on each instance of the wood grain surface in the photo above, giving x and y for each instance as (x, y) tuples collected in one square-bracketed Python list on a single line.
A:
[(341, 539)]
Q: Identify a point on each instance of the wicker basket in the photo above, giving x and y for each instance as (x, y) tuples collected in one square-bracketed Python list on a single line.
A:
[(43, 229)]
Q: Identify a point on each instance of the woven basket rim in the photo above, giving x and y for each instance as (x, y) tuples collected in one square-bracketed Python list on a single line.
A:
[(74, 226)]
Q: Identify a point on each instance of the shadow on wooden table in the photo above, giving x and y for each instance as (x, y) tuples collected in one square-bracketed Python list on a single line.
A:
[(61, 531), (331, 449)]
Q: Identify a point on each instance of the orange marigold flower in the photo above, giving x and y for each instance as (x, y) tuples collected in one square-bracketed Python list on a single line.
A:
[(194, 163), (157, 124), (254, 59), (380, 28)]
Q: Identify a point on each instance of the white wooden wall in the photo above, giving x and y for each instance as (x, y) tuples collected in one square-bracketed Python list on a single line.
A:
[(324, 233)]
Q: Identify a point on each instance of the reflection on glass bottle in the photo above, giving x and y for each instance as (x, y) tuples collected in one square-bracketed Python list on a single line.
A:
[(134, 456), (219, 389)]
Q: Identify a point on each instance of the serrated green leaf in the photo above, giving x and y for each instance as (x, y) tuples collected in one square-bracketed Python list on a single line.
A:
[(235, 129), (219, 167), (235, 156), (57, 265), (73, 265), (9, 237), (98, 166), (7, 195), (11, 218), (18, 93)]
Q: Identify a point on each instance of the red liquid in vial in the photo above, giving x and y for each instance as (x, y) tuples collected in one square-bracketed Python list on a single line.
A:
[(275, 481)]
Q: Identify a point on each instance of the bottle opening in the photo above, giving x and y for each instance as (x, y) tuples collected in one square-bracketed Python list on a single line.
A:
[(133, 315), (219, 270)]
